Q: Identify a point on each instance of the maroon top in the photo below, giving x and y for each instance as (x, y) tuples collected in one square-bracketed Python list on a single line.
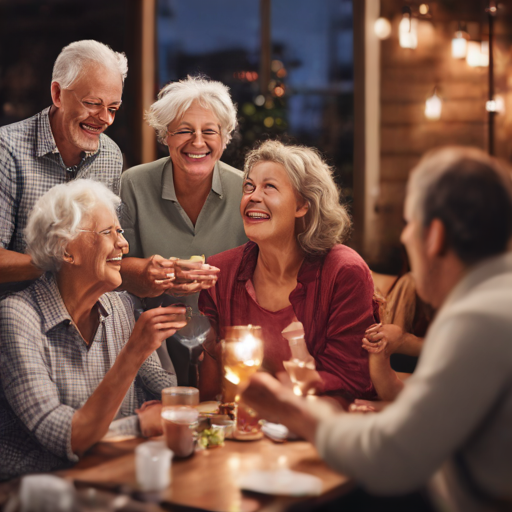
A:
[(333, 300), (276, 347)]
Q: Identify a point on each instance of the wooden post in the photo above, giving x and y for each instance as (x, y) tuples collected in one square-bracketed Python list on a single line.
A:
[(148, 76), (366, 125)]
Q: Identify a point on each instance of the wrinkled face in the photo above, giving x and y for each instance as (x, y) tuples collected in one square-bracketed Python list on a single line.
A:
[(195, 142), (97, 251), (413, 237), (270, 205), (88, 107)]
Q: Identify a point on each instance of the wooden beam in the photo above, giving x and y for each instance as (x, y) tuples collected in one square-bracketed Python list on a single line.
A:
[(148, 76)]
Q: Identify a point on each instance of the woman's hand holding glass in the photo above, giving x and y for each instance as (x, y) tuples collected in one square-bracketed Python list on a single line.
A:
[(191, 277), (152, 328)]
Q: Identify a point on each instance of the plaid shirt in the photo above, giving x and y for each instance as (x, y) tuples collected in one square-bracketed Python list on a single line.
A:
[(30, 165), (47, 372)]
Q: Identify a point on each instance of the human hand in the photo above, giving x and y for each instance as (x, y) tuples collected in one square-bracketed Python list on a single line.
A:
[(150, 420), (365, 406), (157, 275), (192, 277), (383, 338), (153, 327)]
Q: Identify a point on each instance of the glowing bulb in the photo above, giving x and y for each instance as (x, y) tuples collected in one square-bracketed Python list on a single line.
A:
[(460, 45), (478, 54), (382, 28), (433, 107), (423, 9), (495, 105), (408, 32)]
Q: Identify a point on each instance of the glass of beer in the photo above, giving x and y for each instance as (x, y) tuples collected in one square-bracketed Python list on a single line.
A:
[(242, 355)]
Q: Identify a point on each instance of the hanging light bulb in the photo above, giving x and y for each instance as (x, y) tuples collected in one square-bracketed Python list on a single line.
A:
[(496, 105), (382, 28), (433, 106), (408, 30), (478, 54), (460, 44)]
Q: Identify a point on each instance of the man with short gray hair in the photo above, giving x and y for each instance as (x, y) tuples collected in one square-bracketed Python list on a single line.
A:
[(450, 424), (61, 143)]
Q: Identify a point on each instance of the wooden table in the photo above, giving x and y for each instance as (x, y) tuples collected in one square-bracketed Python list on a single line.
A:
[(208, 480)]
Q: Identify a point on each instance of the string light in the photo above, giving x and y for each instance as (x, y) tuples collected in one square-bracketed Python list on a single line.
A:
[(460, 44), (433, 107), (408, 30), (382, 28)]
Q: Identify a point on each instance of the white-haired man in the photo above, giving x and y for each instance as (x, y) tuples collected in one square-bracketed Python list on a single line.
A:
[(451, 423), (63, 142)]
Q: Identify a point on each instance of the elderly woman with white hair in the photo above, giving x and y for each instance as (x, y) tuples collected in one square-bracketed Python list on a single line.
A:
[(185, 204), (294, 268), (74, 364)]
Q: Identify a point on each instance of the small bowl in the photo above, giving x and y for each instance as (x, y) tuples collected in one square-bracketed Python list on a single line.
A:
[(225, 423)]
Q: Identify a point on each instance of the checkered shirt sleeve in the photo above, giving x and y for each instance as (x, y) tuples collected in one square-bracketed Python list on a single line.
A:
[(30, 165)]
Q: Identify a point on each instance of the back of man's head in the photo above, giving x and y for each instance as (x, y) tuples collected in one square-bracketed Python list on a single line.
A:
[(78, 55), (471, 194)]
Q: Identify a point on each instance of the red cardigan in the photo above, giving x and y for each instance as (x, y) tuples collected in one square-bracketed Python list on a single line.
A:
[(333, 300)]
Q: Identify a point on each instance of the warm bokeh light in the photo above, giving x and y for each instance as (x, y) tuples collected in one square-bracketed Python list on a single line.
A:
[(423, 9), (408, 32), (279, 91), (382, 28), (268, 122), (478, 54), (460, 45), (433, 107)]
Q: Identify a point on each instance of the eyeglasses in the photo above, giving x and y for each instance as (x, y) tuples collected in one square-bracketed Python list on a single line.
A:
[(112, 233), (95, 107), (186, 134)]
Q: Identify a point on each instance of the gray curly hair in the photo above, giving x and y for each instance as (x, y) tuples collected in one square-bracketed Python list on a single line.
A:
[(327, 222), (55, 219)]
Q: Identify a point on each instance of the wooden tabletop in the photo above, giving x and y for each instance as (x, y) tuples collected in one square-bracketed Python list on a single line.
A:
[(208, 480)]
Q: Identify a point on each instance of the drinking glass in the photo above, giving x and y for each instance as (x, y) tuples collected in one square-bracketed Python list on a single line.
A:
[(179, 423), (180, 395), (242, 355), (153, 466)]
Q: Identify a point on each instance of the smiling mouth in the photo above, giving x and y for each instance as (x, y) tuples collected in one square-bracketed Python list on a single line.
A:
[(117, 259), (91, 128), (197, 156), (258, 215)]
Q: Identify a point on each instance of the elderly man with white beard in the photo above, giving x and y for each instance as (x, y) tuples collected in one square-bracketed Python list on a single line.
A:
[(63, 142)]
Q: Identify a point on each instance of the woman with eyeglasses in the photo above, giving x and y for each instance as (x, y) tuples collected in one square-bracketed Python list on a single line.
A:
[(185, 204), (75, 366)]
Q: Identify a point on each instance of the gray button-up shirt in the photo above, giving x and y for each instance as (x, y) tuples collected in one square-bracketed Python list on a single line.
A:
[(47, 372)]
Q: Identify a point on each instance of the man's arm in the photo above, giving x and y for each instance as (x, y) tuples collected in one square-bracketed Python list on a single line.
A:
[(15, 266)]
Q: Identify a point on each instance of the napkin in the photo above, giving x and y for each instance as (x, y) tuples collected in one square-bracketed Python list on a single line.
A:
[(284, 482)]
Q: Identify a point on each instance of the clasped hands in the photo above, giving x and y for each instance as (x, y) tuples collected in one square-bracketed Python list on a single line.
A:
[(177, 277)]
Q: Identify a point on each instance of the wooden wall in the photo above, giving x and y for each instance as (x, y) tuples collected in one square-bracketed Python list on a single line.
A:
[(408, 78)]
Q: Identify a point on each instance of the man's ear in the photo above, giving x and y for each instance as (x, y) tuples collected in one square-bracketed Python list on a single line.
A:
[(56, 94), (435, 243)]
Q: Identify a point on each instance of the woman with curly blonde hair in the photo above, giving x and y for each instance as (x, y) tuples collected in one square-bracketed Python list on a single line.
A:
[(294, 268)]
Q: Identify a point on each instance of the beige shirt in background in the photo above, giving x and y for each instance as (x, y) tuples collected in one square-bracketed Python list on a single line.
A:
[(459, 398)]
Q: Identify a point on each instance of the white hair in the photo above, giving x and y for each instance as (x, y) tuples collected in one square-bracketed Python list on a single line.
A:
[(177, 97), (75, 56), (57, 216)]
